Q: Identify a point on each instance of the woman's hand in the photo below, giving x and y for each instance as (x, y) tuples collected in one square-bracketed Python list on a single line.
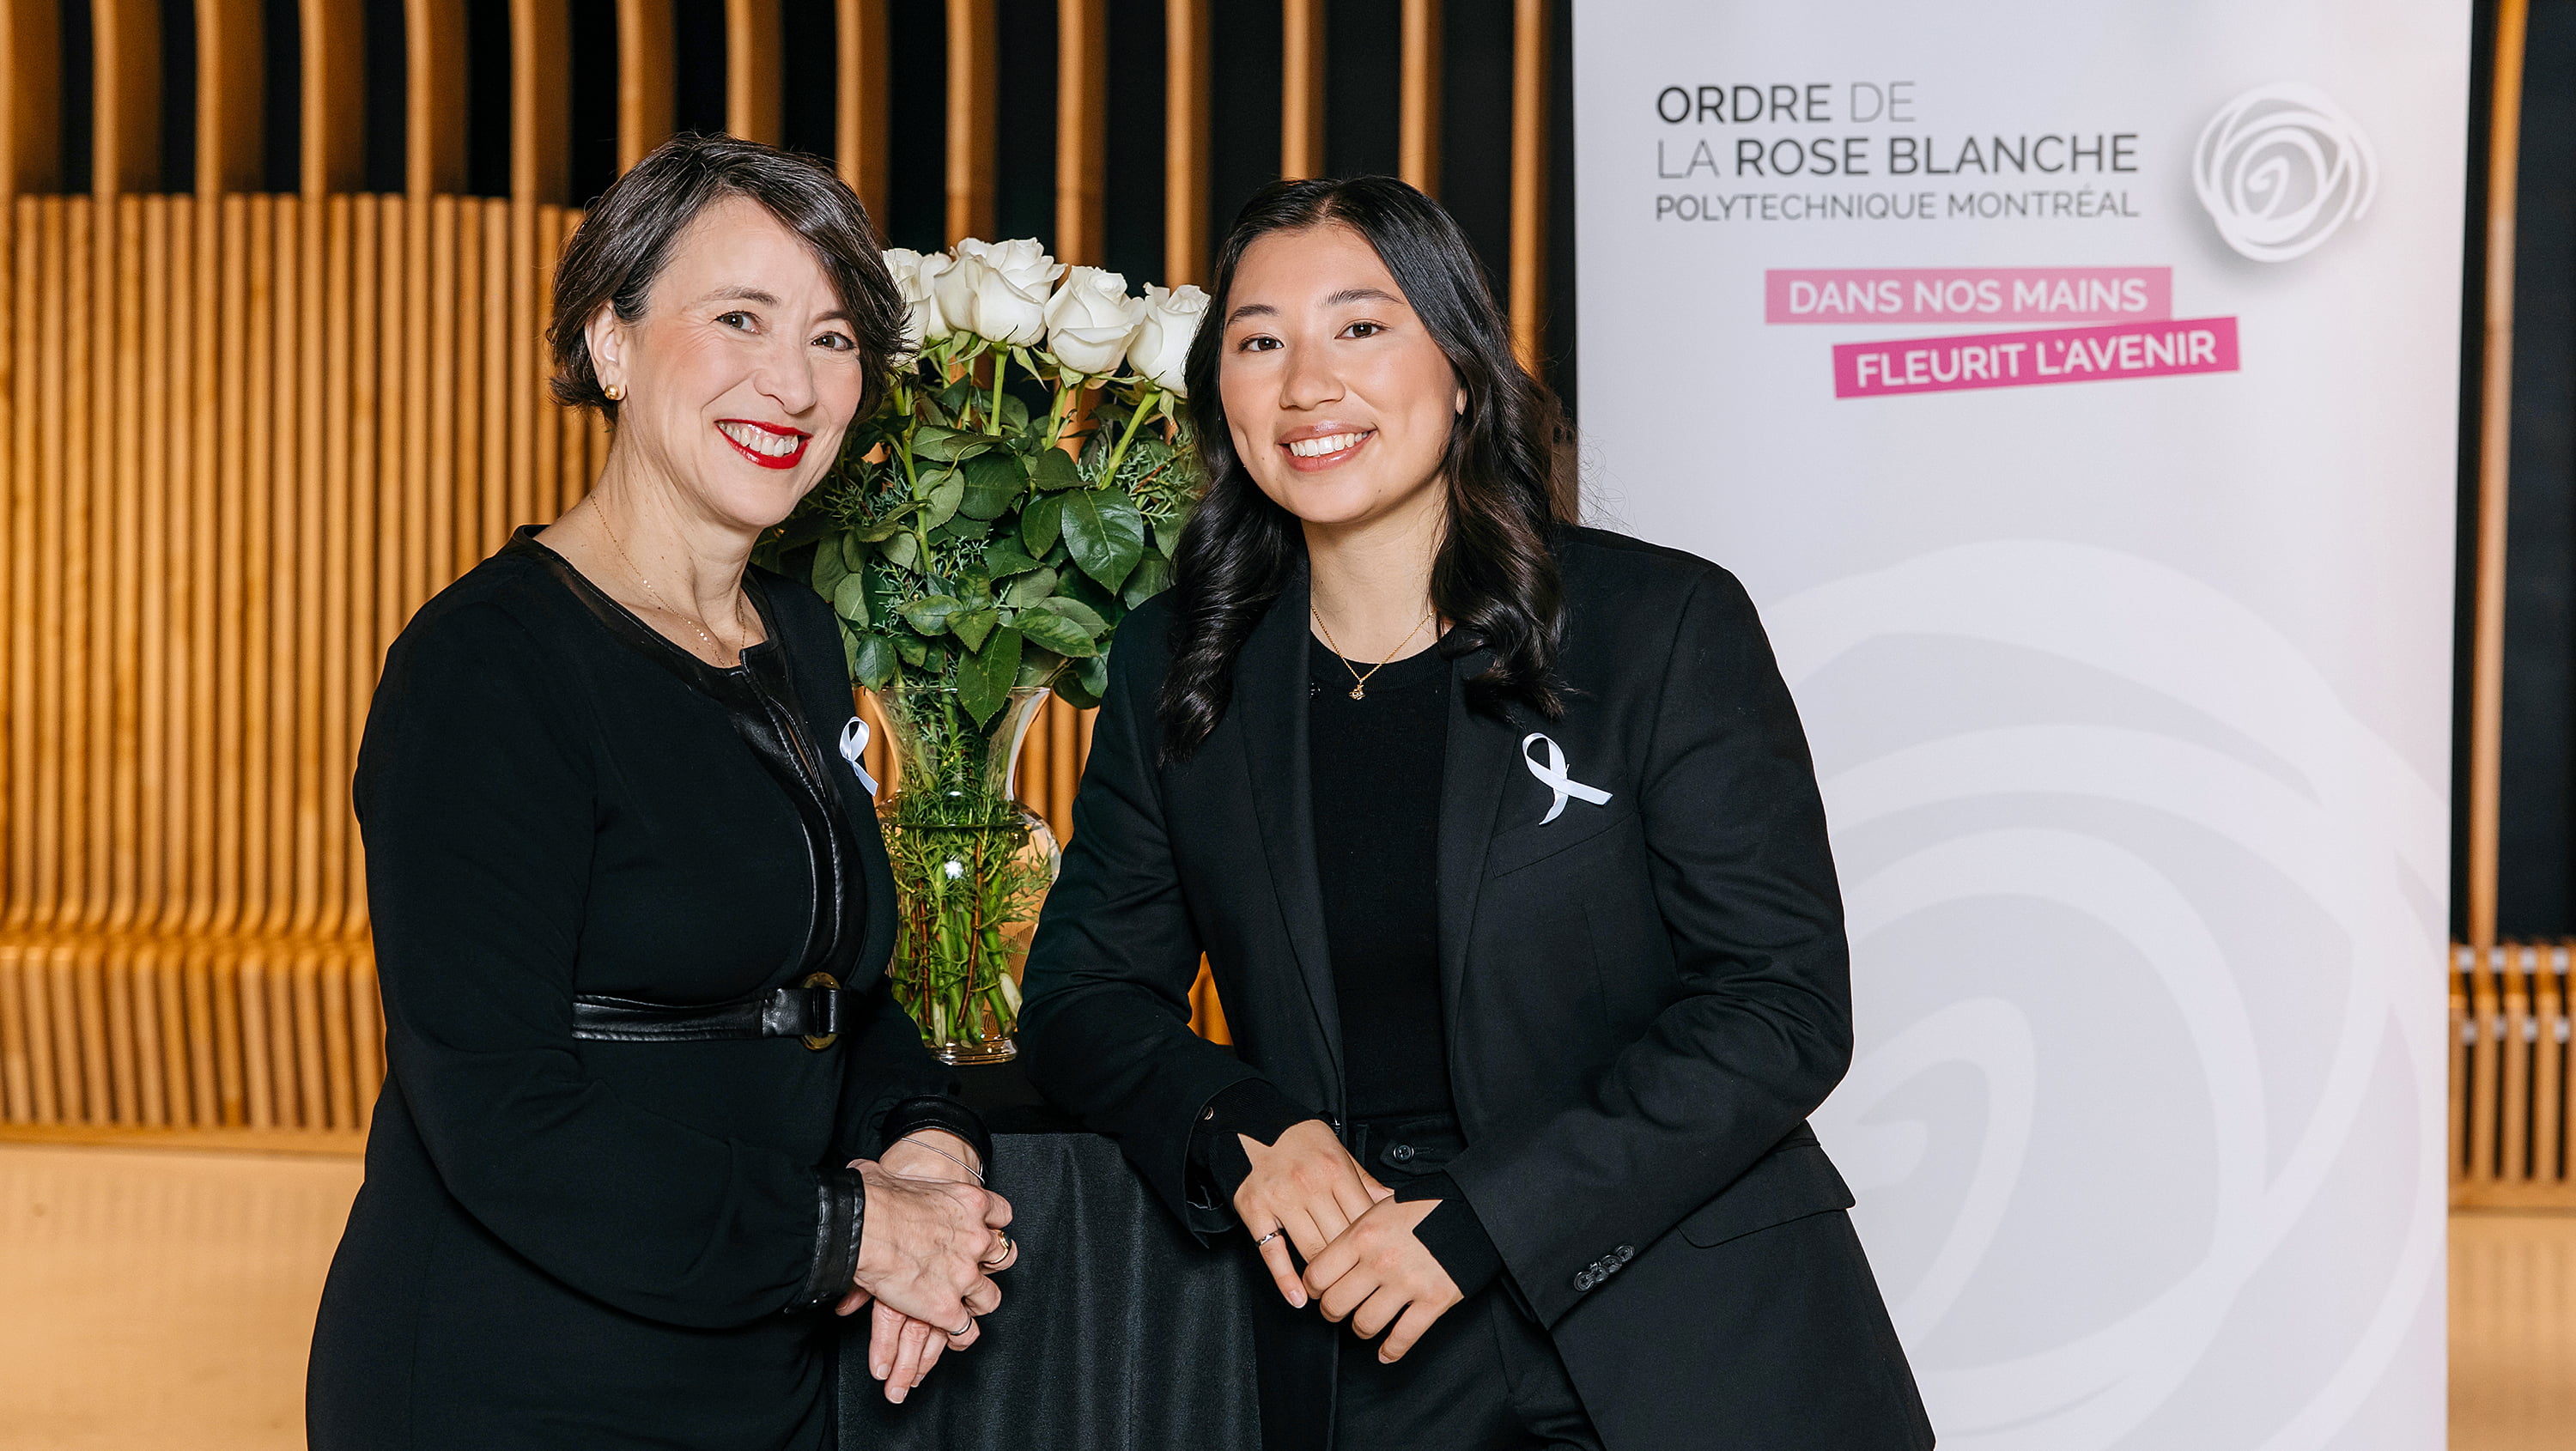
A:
[(1378, 1274), (927, 1250), (901, 1350), (1303, 1190)]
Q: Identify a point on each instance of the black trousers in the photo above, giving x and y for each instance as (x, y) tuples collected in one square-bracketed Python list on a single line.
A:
[(1486, 1377)]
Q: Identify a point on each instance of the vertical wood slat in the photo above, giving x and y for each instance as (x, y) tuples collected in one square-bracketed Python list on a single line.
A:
[(1301, 88), (31, 56), (1530, 70), (1418, 124), (229, 66), (125, 96), (2548, 1069), (30, 218), (754, 105), (2485, 1065), (973, 118), (433, 97), (332, 60), (860, 114), (2495, 437), (644, 78), (121, 555), (2513, 1129), (242, 346), (1082, 131), (1186, 71), (540, 100), (72, 465)]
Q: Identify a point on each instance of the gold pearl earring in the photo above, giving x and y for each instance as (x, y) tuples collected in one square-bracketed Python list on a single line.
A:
[(615, 393)]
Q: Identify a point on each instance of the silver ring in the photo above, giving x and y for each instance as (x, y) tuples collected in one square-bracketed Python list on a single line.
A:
[(962, 1334), (1267, 1238)]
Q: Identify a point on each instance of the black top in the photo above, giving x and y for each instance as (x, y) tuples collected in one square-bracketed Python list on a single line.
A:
[(566, 1242), (1374, 762), (1375, 765)]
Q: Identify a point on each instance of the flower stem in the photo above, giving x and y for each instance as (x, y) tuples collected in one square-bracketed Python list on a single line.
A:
[(1001, 365), (1135, 421)]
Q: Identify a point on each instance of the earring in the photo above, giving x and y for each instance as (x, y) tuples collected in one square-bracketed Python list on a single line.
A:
[(615, 393)]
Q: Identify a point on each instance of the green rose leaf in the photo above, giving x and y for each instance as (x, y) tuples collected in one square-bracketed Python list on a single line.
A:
[(850, 599), (1057, 633), (994, 482), (889, 526), (1028, 589), (915, 652), (1004, 558), (1153, 575), (1104, 533), (876, 662), (932, 614), (1042, 523), (830, 567), (944, 445), (1081, 614), (902, 551), (974, 625), (984, 678), (1053, 469), (947, 491)]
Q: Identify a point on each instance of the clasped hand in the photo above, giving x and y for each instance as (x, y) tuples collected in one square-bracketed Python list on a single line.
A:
[(931, 1240), (1363, 1263)]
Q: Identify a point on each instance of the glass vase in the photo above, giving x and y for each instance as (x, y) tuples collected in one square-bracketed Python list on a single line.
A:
[(971, 867)]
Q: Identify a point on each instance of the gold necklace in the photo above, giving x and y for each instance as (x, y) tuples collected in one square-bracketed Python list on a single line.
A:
[(664, 605), (1359, 681)]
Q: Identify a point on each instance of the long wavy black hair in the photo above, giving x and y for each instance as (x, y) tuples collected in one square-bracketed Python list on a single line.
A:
[(1495, 577)]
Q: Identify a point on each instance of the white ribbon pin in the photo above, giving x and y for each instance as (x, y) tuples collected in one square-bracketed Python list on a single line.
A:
[(1552, 776), (854, 746)]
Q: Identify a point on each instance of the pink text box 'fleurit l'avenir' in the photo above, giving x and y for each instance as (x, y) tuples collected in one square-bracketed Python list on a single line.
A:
[(1967, 294), (2019, 360)]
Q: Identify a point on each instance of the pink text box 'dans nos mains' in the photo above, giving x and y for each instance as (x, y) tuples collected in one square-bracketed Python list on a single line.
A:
[(1967, 294), (2020, 360)]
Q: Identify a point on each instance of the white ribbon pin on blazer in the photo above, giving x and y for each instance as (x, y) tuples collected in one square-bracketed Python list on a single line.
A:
[(854, 745), (1552, 776)]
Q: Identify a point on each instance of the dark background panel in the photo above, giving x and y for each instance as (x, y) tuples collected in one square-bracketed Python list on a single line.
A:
[(2536, 895)]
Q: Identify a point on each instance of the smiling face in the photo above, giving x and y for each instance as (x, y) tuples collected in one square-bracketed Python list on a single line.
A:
[(742, 374), (1338, 400)]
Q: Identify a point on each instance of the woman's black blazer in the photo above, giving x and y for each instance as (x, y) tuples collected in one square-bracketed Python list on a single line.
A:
[(1645, 998)]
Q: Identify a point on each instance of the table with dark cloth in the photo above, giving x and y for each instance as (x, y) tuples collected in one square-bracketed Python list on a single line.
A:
[(1116, 1330)]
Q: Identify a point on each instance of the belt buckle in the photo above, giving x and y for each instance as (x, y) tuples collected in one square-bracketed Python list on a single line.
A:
[(817, 1042)]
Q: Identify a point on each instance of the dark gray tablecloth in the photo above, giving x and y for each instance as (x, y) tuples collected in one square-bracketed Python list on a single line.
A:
[(1116, 1329)]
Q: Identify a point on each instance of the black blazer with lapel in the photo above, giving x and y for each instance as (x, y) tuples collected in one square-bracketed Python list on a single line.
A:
[(1645, 998)]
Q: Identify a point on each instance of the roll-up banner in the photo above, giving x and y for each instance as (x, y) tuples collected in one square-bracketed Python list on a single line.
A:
[(2073, 383)]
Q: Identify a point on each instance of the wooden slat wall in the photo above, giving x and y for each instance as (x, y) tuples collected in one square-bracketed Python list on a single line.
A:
[(336, 406), (2510, 1076)]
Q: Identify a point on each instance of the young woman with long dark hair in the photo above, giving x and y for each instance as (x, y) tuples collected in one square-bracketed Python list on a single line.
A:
[(1502, 840)]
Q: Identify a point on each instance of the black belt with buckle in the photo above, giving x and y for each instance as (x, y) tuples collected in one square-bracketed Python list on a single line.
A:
[(812, 1010)]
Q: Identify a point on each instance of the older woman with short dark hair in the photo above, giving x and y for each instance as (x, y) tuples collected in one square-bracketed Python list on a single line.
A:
[(652, 1113)]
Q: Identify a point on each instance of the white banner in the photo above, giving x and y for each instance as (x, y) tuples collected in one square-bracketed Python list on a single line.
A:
[(2073, 384)]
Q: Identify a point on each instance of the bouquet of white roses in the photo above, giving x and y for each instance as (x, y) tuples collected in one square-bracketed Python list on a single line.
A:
[(980, 550)]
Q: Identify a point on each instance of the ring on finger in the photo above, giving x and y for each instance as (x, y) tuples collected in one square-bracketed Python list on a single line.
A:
[(1001, 1256), (1267, 1238), (962, 1334)]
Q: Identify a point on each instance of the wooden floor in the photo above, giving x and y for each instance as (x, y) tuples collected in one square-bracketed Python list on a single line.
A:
[(152, 1300)]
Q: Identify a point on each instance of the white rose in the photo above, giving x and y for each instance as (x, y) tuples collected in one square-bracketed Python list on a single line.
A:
[(1003, 287), (912, 275), (1090, 321), (950, 286), (1162, 346)]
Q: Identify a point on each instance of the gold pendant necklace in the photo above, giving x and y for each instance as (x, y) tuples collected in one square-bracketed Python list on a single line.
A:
[(1360, 680)]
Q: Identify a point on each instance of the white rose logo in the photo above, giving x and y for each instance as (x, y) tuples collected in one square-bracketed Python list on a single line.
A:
[(2280, 168)]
